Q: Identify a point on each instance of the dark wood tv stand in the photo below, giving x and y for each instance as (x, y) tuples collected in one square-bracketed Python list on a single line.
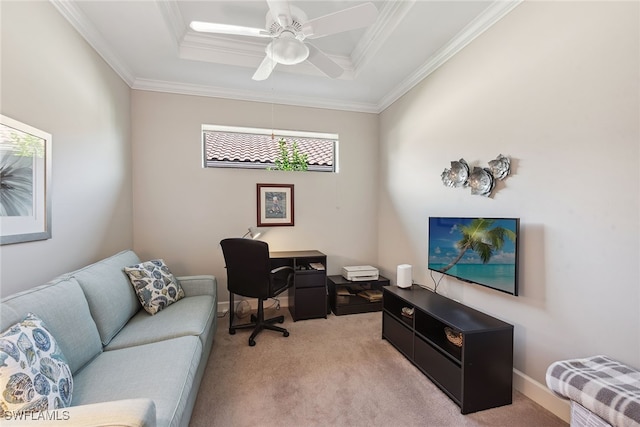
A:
[(476, 376)]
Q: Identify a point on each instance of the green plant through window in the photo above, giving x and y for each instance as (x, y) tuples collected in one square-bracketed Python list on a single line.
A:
[(296, 161)]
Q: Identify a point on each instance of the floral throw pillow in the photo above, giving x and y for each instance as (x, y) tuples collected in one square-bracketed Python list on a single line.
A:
[(154, 284), (34, 374)]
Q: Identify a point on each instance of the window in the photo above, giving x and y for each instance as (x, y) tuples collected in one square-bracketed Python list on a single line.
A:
[(239, 147)]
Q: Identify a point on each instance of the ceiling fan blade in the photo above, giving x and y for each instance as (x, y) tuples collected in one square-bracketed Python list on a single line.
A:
[(280, 12), (323, 63), (236, 30), (354, 17), (264, 69)]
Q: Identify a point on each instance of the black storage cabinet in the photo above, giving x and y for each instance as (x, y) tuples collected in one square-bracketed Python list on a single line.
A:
[(476, 376)]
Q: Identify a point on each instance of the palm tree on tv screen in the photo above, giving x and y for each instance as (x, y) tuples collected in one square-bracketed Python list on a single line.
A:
[(480, 238)]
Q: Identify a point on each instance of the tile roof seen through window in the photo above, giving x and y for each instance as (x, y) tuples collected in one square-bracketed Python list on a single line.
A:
[(262, 149)]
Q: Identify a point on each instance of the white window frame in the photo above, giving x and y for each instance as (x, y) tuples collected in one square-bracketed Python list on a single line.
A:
[(275, 134)]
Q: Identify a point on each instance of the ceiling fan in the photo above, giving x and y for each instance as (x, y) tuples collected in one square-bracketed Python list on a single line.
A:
[(289, 29)]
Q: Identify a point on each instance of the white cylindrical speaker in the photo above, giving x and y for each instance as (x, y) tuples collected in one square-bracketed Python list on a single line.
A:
[(404, 276)]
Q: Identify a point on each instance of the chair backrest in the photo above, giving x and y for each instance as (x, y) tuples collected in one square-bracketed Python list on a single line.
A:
[(248, 267)]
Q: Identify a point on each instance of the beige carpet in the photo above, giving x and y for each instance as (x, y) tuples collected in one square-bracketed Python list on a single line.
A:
[(332, 372)]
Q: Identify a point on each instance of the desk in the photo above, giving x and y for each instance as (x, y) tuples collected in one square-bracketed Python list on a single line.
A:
[(308, 295)]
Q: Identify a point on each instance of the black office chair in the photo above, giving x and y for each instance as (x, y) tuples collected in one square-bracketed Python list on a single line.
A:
[(249, 274)]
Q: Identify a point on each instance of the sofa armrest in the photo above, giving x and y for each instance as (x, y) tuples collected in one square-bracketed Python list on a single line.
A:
[(126, 413), (198, 285)]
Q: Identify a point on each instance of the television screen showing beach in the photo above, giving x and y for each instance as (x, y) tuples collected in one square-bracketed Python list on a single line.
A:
[(479, 250)]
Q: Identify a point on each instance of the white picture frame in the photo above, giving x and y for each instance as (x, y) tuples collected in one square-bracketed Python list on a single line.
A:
[(25, 190)]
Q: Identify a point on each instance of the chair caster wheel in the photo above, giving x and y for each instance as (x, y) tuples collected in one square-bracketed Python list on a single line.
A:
[(285, 334), (252, 343), (280, 320), (232, 331)]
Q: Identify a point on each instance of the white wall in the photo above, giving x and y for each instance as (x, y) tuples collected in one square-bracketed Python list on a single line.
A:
[(53, 80), (553, 85), (182, 211)]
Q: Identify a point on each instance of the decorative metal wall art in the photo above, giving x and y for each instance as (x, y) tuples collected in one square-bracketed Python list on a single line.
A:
[(481, 180), (458, 175), (500, 167)]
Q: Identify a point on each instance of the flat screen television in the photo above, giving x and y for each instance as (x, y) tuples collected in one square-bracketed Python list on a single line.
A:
[(483, 251)]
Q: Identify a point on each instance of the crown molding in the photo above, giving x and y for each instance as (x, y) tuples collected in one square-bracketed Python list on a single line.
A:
[(79, 21), (220, 49), (390, 16), (252, 95), (172, 16), (496, 11)]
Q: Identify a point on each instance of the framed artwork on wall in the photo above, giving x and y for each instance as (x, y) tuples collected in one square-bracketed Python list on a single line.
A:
[(275, 205), (25, 191)]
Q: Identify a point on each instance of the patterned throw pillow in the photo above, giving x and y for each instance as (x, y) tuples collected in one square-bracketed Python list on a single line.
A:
[(154, 284), (34, 374)]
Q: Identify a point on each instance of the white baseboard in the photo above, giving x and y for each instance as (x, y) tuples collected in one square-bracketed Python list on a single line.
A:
[(542, 395)]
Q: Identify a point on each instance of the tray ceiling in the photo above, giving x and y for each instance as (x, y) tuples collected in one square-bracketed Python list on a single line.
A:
[(150, 45)]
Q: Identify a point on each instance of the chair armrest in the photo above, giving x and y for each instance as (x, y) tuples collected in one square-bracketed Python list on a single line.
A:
[(126, 413), (281, 279), (198, 285), (279, 269)]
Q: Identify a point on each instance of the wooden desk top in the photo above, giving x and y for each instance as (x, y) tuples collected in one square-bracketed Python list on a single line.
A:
[(296, 254)]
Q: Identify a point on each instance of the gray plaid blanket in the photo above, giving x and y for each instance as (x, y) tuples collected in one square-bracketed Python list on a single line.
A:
[(604, 386)]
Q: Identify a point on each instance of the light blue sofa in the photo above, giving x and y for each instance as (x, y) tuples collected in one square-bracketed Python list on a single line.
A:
[(129, 368)]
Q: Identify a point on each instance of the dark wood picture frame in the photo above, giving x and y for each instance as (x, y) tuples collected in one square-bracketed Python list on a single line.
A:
[(275, 204)]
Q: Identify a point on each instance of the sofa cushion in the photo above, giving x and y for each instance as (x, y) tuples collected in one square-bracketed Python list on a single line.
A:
[(34, 374), (111, 298), (163, 371), (154, 284), (62, 306), (192, 316)]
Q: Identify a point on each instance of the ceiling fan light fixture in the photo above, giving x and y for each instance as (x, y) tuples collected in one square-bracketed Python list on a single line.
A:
[(288, 50)]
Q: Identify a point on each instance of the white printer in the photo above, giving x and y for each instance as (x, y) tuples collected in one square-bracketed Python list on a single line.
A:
[(360, 273)]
